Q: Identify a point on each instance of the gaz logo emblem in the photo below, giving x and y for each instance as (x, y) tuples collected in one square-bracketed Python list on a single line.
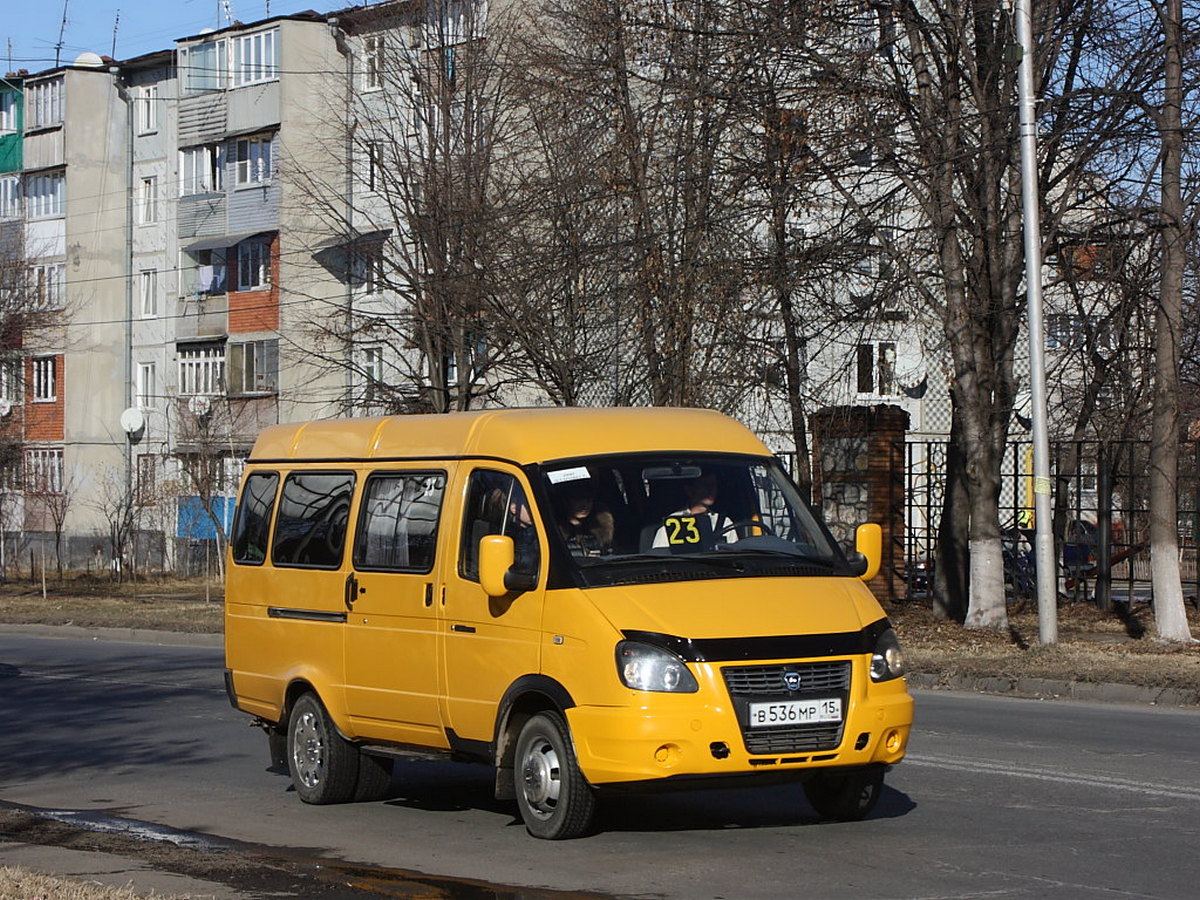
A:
[(791, 680)]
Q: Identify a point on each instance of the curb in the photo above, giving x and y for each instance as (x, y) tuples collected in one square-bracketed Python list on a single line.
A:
[(1051, 689)]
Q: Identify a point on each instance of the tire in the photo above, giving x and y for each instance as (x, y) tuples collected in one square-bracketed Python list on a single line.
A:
[(323, 764), (374, 778), (556, 802), (845, 796)]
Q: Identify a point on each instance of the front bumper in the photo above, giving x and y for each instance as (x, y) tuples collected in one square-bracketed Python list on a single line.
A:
[(673, 736)]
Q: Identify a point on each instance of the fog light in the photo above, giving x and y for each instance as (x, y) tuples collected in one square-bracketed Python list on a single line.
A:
[(863, 740), (719, 750), (667, 755), (892, 741)]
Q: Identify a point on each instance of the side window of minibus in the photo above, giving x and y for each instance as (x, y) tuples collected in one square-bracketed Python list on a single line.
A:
[(398, 524), (253, 519), (496, 504), (310, 527)]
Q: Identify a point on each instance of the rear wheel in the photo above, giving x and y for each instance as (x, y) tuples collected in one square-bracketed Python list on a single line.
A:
[(323, 764), (555, 800), (845, 796)]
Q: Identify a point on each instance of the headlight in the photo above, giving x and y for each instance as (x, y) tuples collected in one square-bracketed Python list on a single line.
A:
[(643, 667), (887, 660)]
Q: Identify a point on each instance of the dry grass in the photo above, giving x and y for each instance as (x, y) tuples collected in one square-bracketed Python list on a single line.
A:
[(187, 606), (1094, 646), (21, 884)]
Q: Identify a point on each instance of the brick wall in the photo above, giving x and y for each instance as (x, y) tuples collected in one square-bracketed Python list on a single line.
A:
[(254, 311), (44, 418)]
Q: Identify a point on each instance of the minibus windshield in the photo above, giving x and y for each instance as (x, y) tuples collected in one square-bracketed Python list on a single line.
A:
[(670, 509)]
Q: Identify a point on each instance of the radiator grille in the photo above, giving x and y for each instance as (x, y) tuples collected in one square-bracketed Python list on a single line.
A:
[(766, 683)]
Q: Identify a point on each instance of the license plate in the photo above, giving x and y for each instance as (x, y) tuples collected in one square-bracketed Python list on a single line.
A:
[(796, 712)]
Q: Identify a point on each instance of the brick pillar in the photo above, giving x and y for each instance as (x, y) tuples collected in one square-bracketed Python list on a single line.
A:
[(858, 476)]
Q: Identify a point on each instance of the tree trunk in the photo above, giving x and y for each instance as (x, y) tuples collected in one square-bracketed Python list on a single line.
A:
[(951, 582), (1169, 614)]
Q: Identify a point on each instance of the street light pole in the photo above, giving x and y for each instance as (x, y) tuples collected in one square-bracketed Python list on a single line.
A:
[(1047, 594)]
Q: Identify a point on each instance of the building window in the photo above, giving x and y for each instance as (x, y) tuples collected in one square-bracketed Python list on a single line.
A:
[(44, 470), (200, 169), (44, 103), (207, 273), (201, 369), (45, 385), (372, 373), (8, 112), (148, 201), (10, 196), (254, 58), (374, 165), (253, 160), (373, 57), (46, 195), (10, 381), (146, 109), (147, 385), (146, 493), (454, 21), (254, 367), (876, 364), (254, 265), (148, 292), (47, 284), (204, 67)]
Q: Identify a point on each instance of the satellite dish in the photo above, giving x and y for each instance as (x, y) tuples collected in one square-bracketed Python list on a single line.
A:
[(200, 405), (89, 60), (132, 420)]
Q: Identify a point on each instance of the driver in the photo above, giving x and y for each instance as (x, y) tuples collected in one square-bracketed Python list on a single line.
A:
[(697, 526)]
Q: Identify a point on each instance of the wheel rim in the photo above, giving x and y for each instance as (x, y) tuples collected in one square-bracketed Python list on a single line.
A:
[(542, 778), (308, 750)]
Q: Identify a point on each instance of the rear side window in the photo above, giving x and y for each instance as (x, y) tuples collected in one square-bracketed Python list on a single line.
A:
[(398, 523), (310, 527), (250, 528)]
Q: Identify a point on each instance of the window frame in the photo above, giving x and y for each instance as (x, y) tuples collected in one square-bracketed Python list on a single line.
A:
[(45, 379), (43, 470), (247, 363), (201, 169), (147, 206), (237, 535), (146, 386), (146, 109), (349, 481), (201, 369), (254, 256), (253, 164), (46, 194), (48, 284), (254, 58), (148, 293), (44, 103)]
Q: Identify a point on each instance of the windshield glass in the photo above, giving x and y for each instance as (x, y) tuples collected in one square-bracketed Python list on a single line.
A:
[(674, 509)]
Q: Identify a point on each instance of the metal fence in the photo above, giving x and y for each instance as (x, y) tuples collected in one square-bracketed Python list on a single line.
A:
[(1097, 485)]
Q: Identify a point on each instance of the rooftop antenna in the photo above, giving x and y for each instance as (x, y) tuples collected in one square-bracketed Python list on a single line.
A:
[(62, 30), (228, 11), (116, 25)]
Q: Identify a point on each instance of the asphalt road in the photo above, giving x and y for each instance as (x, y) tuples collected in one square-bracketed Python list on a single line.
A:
[(999, 797)]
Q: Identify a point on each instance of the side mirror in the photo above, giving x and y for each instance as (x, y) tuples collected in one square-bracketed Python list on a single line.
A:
[(868, 551), (496, 576)]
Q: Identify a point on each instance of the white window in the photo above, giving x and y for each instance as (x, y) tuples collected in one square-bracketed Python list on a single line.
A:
[(254, 265), (148, 200), (45, 388), (147, 385), (10, 380), (374, 165), (201, 369), (373, 59), (148, 292), (253, 367), (454, 21), (45, 195), (253, 160), (146, 109), (44, 470), (47, 285), (10, 196), (204, 67), (371, 262), (372, 373), (44, 103), (254, 57), (8, 112), (876, 368), (200, 169)]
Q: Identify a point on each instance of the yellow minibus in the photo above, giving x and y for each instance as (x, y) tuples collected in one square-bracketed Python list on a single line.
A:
[(587, 600)]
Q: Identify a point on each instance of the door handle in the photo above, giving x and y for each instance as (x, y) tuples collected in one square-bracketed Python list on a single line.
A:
[(429, 593), (350, 592), (463, 629)]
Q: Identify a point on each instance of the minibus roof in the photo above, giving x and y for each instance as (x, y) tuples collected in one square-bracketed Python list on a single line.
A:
[(519, 435)]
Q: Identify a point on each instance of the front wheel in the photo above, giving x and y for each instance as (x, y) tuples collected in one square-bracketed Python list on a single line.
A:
[(555, 800), (845, 796), (323, 764)]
